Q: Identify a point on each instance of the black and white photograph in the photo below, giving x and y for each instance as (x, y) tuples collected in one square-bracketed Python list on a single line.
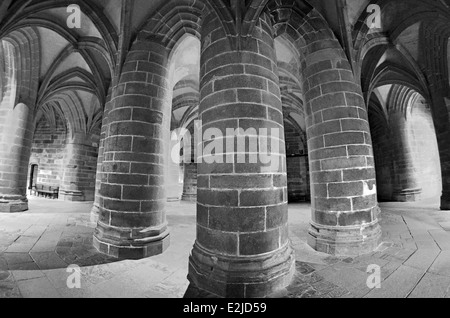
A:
[(250, 151)]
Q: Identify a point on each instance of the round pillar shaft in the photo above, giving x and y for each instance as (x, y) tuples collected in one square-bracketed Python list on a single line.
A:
[(132, 222), (98, 177), (441, 123), (190, 182), (343, 182), (16, 134), (406, 185), (80, 163), (242, 247), (444, 154)]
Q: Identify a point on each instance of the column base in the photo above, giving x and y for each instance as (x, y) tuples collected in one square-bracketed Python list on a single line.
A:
[(13, 204), (445, 201), (116, 242), (407, 195), (345, 241), (95, 214), (241, 277), (73, 196), (189, 197)]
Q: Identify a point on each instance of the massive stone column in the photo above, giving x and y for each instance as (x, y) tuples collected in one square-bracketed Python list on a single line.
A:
[(16, 137), (174, 176), (242, 247), (343, 181), (434, 41), (190, 175), (441, 119), (80, 162), (383, 151), (406, 185), (132, 222), (190, 182), (98, 177)]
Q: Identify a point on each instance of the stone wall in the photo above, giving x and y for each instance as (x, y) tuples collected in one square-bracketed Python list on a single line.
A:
[(48, 152), (67, 162), (425, 151), (80, 167), (406, 155), (297, 166)]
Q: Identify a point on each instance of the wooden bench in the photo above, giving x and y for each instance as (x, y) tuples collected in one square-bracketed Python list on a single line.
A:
[(46, 191)]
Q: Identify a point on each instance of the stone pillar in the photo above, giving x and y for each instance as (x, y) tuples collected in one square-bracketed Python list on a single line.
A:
[(441, 108), (343, 181), (383, 152), (132, 222), (190, 175), (242, 247), (98, 177), (406, 185), (190, 182), (80, 162), (174, 174), (432, 60), (441, 118), (16, 137)]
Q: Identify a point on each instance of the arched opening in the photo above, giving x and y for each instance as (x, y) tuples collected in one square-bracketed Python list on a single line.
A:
[(33, 178), (19, 52), (185, 80), (297, 164), (405, 145), (137, 183), (294, 122), (47, 152)]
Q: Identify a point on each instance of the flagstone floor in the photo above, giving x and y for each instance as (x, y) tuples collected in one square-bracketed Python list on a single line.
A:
[(36, 248)]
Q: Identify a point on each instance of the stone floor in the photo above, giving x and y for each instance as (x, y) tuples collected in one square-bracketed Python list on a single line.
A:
[(36, 248)]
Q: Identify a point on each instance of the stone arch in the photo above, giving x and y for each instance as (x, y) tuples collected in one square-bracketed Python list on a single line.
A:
[(93, 50), (374, 74), (420, 10), (26, 53), (405, 143), (138, 125), (20, 55), (98, 18), (173, 21), (421, 73), (333, 97), (99, 54)]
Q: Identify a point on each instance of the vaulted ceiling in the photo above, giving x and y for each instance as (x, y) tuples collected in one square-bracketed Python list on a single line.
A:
[(76, 67)]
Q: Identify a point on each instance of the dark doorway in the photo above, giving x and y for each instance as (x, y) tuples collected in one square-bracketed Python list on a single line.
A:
[(33, 178)]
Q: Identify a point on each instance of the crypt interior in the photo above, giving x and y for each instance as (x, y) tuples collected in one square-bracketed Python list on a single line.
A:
[(90, 115)]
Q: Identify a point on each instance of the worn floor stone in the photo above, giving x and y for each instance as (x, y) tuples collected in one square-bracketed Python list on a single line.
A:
[(413, 257), (423, 258), (399, 284), (442, 239), (441, 265), (38, 288), (431, 286)]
